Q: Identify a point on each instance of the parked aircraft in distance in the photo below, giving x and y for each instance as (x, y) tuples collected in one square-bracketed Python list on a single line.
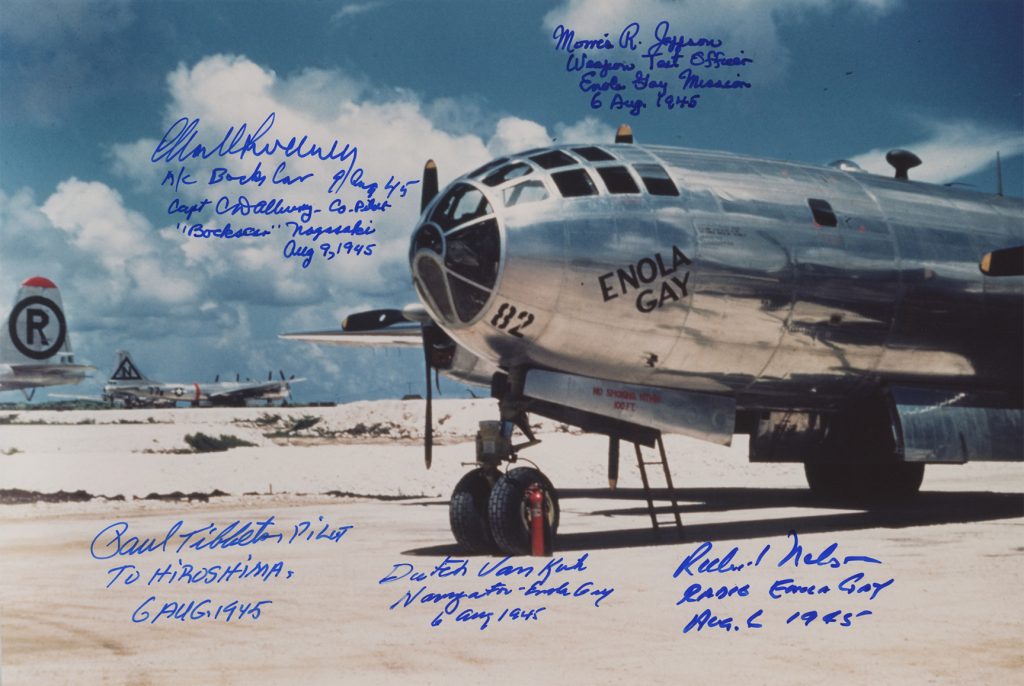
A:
[(860, 324), (36, 348), (128, 386)]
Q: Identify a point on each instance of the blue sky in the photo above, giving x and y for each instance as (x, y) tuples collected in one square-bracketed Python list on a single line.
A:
[(86, 89)]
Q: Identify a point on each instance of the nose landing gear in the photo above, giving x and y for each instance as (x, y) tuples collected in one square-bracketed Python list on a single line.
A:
[(489, 510)]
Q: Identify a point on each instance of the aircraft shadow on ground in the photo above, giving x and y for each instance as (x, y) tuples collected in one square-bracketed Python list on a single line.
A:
[(927, 509)]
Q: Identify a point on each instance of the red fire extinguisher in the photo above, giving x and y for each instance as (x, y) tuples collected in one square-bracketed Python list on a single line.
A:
[(535, 498)]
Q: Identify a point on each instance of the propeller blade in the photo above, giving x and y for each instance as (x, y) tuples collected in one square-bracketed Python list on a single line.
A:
[(428, 431), (281, 372), (624, 134), (429, 184), (270, 375), (372, 320)]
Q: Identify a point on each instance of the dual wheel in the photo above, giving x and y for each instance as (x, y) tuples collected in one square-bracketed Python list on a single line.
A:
[(490, 511)]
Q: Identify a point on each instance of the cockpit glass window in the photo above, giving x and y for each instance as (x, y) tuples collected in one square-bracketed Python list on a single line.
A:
[(525, 192), (618, 180), (822, 211), (469, 300), (656, 179), (593, 154), (490, 165), (574, 183), (553, 159), (461, 204), (474, 252), (507, 173), (432, 278)]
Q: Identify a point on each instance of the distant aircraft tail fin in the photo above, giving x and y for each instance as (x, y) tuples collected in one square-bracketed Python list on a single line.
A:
[(126, 370), (36, 331)]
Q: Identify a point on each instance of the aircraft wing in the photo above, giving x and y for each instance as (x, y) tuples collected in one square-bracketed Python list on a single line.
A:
[(255, 390), (395, 336)]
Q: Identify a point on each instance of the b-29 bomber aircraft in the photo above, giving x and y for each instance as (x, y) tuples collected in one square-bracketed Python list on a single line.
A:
[(35, 348), (129, 386), (862, 325)]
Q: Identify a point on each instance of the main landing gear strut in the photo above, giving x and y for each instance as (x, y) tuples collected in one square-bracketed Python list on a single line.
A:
[(489, 510)]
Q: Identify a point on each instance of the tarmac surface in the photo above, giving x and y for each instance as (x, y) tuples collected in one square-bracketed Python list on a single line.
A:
[(341, 567)]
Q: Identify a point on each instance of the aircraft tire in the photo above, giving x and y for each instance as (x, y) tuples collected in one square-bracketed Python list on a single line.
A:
[(467, 512), (508, 507), (868, 482)]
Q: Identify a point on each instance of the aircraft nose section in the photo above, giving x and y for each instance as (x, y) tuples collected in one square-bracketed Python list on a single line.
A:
[(456, 256)]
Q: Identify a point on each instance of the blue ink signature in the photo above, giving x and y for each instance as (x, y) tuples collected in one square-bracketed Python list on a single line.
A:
[(178, 143), (113, 540), (453, 602), (705, 560)]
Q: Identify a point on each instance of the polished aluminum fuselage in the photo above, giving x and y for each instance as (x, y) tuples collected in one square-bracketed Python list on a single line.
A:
[(769, 306)]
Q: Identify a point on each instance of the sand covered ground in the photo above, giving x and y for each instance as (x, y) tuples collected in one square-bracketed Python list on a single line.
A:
[(356, 579)]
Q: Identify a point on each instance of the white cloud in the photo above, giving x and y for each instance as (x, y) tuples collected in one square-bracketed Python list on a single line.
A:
[(137, 280), (588, 130), (98, 222), (351, 9), (513, 134), (951, 151)]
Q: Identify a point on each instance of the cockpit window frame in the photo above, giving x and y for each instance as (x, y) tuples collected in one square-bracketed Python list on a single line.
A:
[(564, 188), (554, 159), (493, 180), (613, 185)]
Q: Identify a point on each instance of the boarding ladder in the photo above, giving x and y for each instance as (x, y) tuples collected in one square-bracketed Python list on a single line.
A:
[(662, 460)]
